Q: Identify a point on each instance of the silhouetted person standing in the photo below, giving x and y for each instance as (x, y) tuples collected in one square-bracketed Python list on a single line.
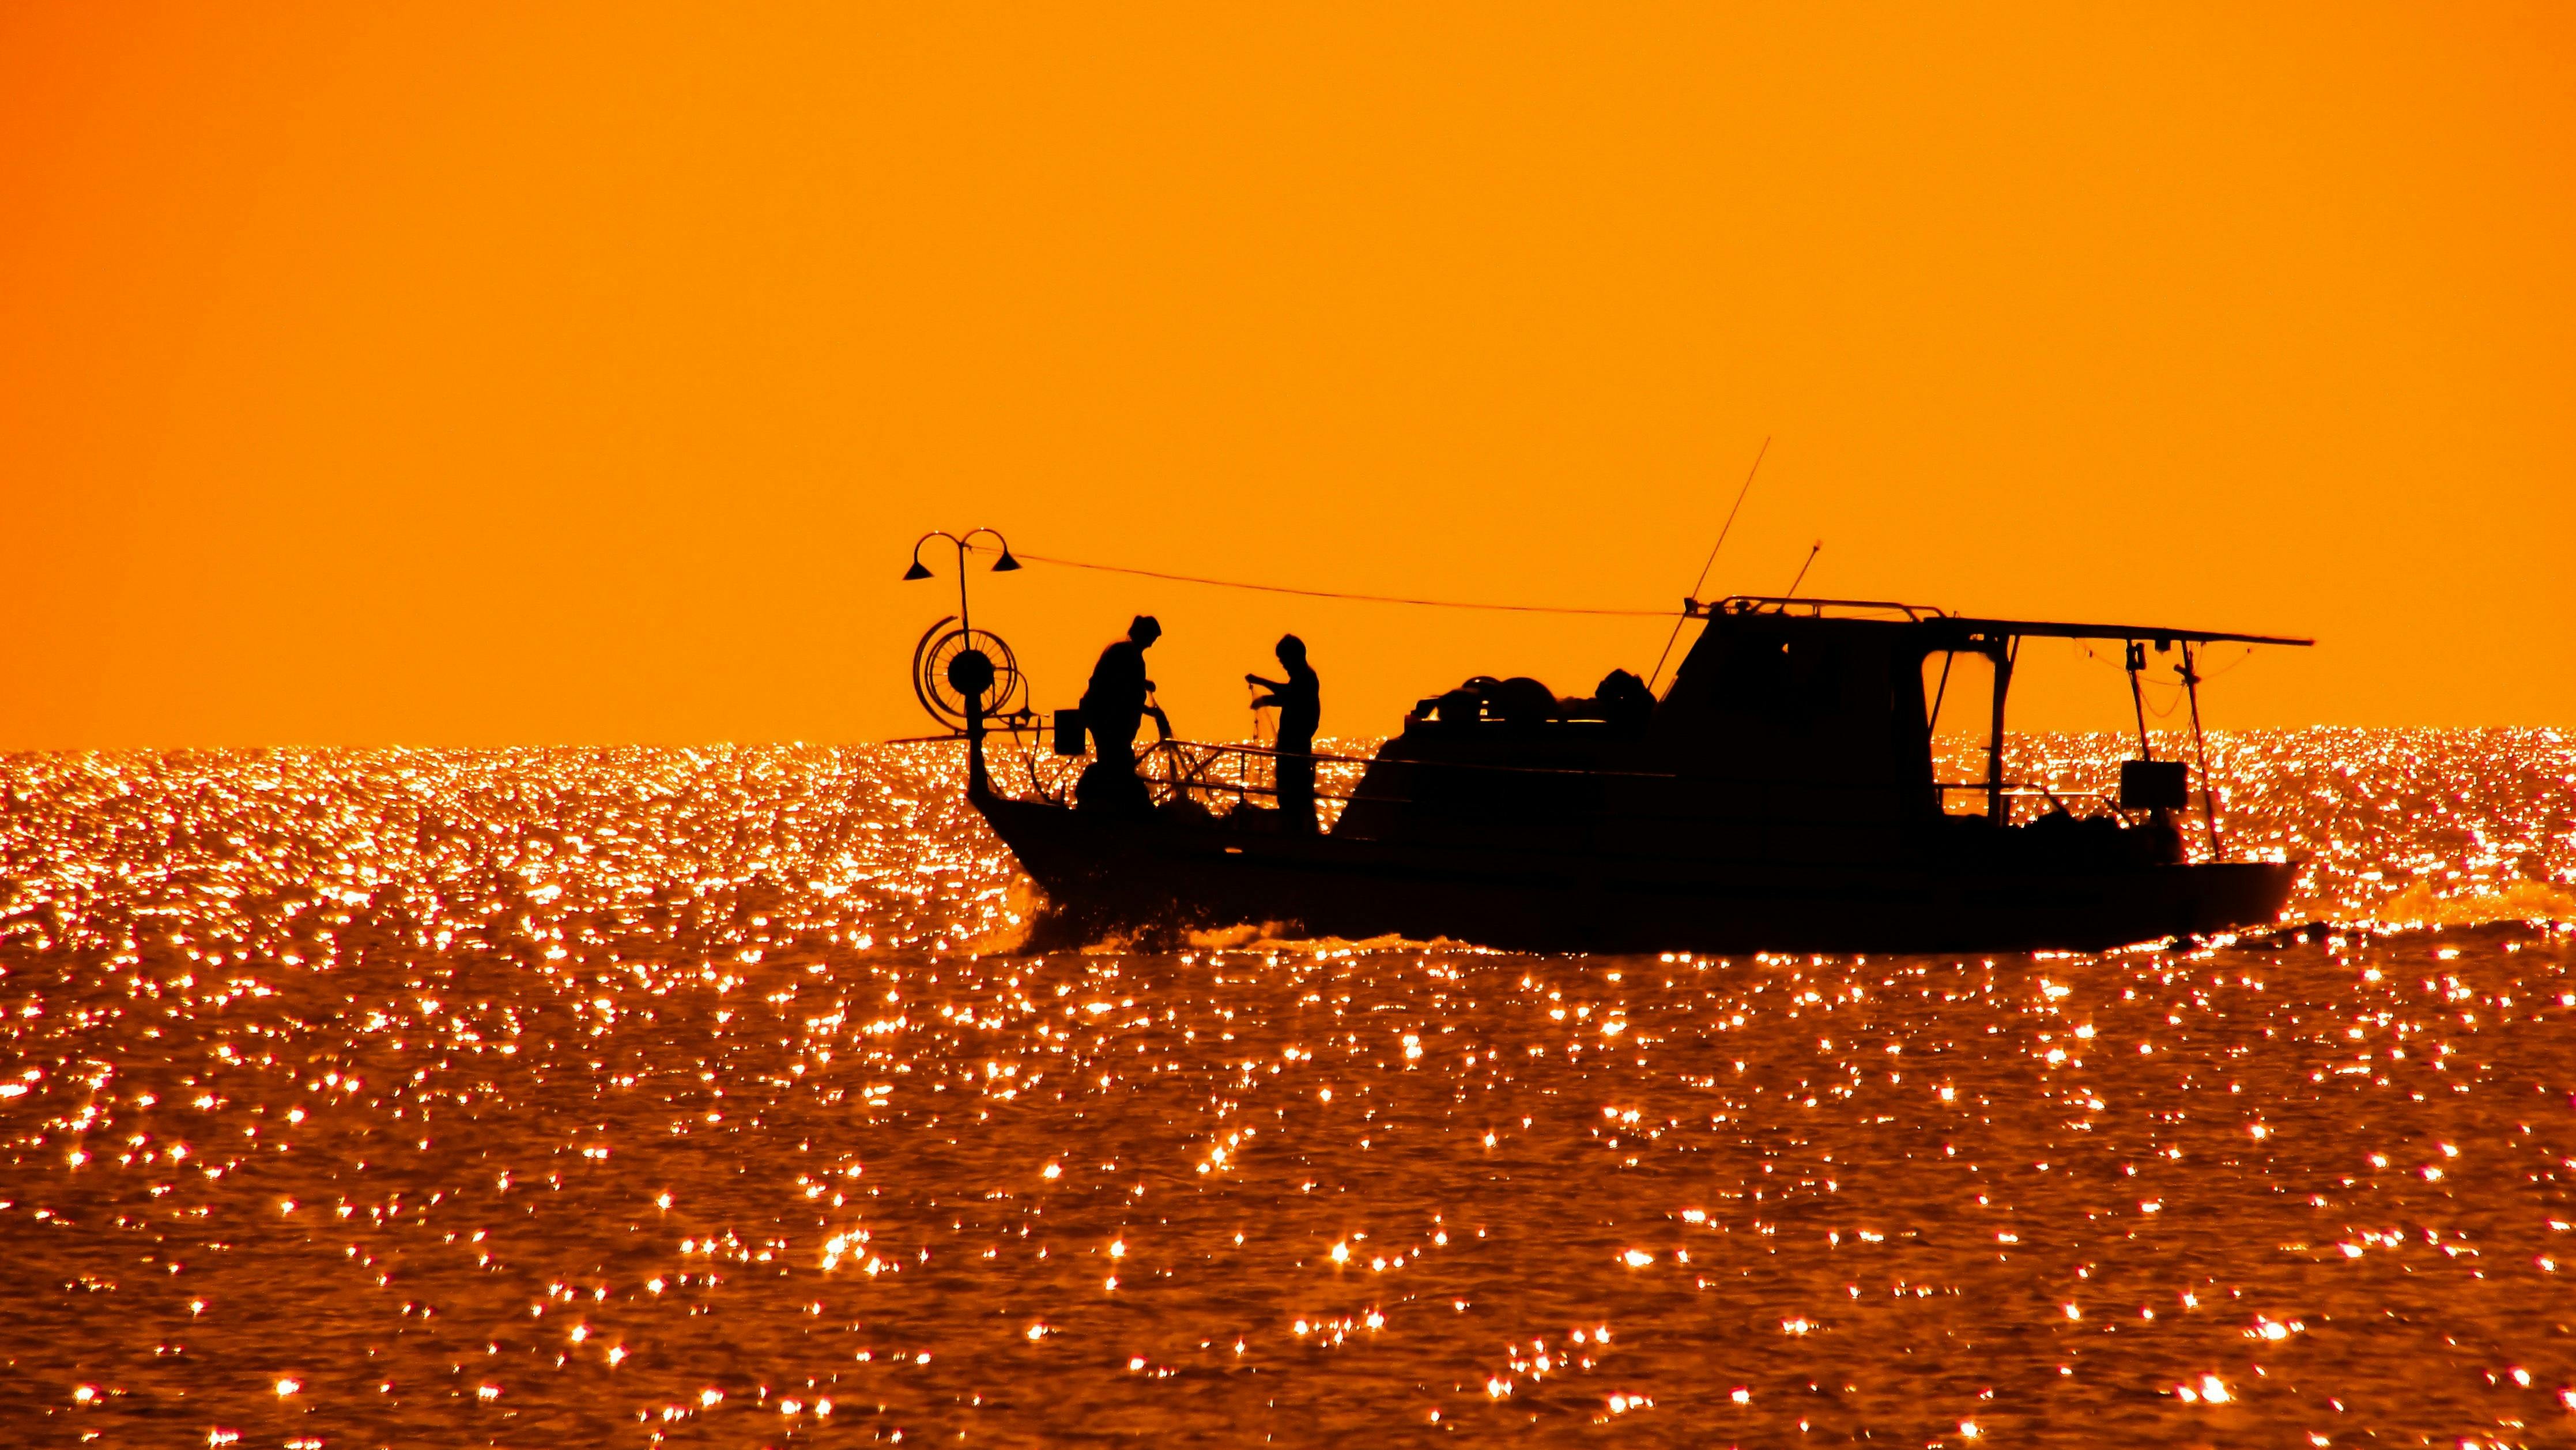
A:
[(1301, 709), (1113, 709)]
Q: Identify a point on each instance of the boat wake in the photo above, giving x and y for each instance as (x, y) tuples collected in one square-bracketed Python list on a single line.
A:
[(2417, 905)]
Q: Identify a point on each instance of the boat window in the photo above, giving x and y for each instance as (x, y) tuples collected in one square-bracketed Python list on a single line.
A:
[(1959, 711)]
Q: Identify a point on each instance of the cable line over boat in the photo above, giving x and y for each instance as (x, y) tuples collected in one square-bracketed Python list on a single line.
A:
[(1063, 563)]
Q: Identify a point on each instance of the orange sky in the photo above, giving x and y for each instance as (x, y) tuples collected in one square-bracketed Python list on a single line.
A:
[(444, 374)]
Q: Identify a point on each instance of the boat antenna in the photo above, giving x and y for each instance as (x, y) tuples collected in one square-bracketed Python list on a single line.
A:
[(1723, 530), (1812, 552)]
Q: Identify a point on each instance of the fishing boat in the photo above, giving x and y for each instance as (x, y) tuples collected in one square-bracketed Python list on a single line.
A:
[(1779, 794)]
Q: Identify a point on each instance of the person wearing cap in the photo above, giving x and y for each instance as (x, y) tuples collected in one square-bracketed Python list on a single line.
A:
[(1114, 707)]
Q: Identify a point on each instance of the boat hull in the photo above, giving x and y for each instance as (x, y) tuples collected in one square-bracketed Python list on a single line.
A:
[(1104, 874)]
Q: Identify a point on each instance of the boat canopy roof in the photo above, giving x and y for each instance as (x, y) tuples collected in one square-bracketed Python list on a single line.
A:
[(1967, 625)]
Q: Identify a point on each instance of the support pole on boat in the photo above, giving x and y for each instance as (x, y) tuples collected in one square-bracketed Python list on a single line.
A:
[(979, 784), (2200, 747), (2135, 658), (2003, 654)]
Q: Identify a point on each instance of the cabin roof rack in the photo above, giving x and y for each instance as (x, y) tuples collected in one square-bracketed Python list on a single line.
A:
[(1968, 625), (2161, 634), (1809, 608)]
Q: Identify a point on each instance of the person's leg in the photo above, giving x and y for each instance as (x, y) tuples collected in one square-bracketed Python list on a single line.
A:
[(1120, 755), (1109, 783), (1296, 776), (1114, 740)]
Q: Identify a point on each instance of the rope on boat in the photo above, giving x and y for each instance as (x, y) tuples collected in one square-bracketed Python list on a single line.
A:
[(1334, 593)]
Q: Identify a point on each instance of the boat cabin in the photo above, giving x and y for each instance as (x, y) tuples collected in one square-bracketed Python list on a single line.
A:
[(1793, 729)]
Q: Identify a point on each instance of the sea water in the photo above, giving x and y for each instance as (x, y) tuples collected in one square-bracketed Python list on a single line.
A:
[(634, 1097)]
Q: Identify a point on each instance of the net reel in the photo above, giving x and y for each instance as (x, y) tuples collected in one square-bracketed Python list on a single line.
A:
[(951, 664)]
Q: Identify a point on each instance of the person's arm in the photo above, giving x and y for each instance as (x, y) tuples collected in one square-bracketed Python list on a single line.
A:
[(1262, 701), (1251, 679)]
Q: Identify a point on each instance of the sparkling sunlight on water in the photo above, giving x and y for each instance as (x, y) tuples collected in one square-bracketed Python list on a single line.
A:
[(688, 1097)]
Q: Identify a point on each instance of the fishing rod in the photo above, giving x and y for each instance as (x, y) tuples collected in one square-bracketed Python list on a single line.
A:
[(1702, 583)]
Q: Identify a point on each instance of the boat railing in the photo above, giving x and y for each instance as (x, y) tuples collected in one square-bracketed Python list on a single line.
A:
[(2026, 801), (1207, 773), (1211, 773)]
